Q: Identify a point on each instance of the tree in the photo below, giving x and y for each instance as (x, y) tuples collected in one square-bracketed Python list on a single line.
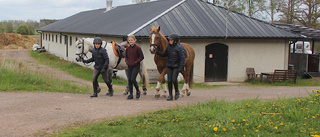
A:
[(1, 28), (288, 10), (271, 9), (23, 29), (252, 8), (9, 27), (308, 13)]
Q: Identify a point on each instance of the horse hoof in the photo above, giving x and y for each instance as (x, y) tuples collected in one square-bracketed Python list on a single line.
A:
[(183, 91), (157, 96), (189, 93), (164, 96), (144, 89), (145, 93), (99, 90), (125, 93)]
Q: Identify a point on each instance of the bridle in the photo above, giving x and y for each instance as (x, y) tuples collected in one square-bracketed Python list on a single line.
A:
[(80, 55), (155, 45)]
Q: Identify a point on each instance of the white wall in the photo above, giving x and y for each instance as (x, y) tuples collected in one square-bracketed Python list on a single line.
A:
[(262, 54)]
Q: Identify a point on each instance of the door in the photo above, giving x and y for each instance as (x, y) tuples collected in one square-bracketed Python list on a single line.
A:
[(216, 60)]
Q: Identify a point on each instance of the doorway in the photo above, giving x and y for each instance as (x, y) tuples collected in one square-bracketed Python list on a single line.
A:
[(216, 67)]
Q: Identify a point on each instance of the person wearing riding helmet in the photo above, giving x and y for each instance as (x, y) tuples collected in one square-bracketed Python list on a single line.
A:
[(175, 64), (101, 60)]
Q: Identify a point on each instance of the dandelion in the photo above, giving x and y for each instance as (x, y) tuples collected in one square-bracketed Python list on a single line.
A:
[(276, 128), (233, 121), (205, 125), (318, 91), (305, 118), (257, 130), (244, 120), (224, 129), (215, 128), (313, 91)]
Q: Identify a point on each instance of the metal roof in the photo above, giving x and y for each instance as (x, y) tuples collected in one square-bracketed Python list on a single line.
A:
[(306, 32), (187, 18)]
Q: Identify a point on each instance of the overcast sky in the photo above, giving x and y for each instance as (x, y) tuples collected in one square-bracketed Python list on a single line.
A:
[(49, 9)]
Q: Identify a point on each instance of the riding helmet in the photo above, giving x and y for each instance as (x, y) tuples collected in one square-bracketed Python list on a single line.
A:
[(175, 37), (97, 40)]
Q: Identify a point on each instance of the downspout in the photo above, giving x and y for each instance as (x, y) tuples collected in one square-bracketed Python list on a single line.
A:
[(40, 37)]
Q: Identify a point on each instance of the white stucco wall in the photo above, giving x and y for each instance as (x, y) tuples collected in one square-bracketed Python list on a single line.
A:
[(262, 54)]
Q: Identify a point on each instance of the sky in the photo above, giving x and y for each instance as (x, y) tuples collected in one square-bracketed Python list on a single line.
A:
[(49, 9)]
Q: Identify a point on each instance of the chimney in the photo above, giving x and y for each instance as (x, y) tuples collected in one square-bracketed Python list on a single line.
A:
[(109, 5)]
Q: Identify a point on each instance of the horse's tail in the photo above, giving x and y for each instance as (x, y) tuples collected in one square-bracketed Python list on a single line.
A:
[(191, 77), (146, 76)]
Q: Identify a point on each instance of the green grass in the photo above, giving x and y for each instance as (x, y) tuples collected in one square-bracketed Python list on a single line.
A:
[(71, 68), (283, 117), (18, 79)]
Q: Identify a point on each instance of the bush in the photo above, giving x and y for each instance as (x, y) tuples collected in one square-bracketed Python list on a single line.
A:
[(23, 29)]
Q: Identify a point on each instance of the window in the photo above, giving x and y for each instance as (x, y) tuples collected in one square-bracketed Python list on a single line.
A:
[(52, 37), (46, 36), (49, 37), (56, 38)]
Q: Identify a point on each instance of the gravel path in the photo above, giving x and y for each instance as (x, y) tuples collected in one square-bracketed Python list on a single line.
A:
[(39, 114)]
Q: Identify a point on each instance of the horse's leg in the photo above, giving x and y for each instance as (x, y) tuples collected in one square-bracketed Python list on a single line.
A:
[(125, 92), (161, 80), (185, 74), (142, 76), (108, 81)]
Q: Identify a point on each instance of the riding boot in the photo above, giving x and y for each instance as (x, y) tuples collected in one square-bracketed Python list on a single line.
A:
[(170, 96), (110, 91), (176, 96), (95, 91)]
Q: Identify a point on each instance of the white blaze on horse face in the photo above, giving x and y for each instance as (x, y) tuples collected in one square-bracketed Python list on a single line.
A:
[(152, 38), (152, 41)]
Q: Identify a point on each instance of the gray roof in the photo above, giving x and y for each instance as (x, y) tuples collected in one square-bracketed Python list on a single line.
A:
[(187, 18), (306, 32)]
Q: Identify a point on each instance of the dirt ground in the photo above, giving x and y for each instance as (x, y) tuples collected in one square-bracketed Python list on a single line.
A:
[(40, 114)]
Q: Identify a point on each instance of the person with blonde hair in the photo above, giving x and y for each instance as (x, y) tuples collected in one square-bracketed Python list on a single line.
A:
[(133, 58)]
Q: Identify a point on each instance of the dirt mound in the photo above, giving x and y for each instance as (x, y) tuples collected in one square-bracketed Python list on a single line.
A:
[(16, 41)]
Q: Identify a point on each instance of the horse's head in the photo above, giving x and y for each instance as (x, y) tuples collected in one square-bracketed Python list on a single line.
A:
[(82, 49), (155, 39)]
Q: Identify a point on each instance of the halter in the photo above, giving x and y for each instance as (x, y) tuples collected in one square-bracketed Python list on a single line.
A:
[(83, 54), (155, 45)]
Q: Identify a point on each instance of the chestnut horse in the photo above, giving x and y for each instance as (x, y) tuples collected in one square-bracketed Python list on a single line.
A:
[(158, 42)]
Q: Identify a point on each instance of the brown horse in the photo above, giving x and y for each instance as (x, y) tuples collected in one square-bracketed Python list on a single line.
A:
[(158, 42)]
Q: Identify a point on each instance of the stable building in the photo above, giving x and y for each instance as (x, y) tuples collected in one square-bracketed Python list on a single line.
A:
[(225, 42)]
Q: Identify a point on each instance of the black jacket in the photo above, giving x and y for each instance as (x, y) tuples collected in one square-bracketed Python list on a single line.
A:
[(175, 55), (100, 58)]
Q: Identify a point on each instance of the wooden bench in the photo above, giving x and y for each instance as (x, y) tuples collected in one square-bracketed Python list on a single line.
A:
[(282, 75), (251, 74)]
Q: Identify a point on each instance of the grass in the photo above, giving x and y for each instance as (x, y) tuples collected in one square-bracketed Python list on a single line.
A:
[(14, 77), (283, 117), (71, 68)]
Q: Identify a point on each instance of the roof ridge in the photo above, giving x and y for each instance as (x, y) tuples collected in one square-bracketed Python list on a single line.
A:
[(147, 23)]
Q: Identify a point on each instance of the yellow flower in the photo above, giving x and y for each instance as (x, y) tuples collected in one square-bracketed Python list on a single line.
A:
[(318, 91), (215, 128), (276, 128), (244, 120), (224, 129), (233, 121), (257, 130), (312, 90)]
